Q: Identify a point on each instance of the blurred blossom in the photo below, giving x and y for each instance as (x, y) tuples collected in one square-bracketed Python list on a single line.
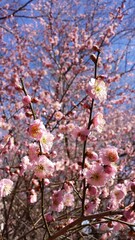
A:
[(57, 200), (33, 151), (33, 196), (69, 200), (6, 186), (91, 154), (98, 122), (26, 100)]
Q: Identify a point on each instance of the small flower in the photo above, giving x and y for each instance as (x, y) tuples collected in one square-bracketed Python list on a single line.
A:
[(6, 186), (57, 200), (33, 151), (96, 176), (119, 192), (25, 164), (69, 199), (36, 129), (91, 154), (43, 167), (109, 155), (81, 133), (33, 196), (99, 122), (58, 115), (97, 90), (46, 141)]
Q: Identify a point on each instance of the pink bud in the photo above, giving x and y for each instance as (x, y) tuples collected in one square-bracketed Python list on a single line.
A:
[(26, 100)]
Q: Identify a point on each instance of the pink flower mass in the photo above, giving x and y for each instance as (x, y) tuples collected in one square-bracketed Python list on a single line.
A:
[(67, 117)]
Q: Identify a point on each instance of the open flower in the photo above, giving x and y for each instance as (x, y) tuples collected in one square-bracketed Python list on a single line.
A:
[(99, 122), (109, 155), (6, 186), (46, 141), (96, 176), (36, 129), (43, 167), (57, 200), (97, 89)]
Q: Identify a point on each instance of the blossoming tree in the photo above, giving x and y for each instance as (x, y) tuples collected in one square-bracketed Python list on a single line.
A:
[(67, 120)]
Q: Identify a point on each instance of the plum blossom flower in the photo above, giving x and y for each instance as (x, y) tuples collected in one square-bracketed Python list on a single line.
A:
[(97, 90), (91, 154), (109, 155), (90, 207), (46, 141), (82, 133), (99, 122), (96, 175), (33, 196), (57, 105), (43, 167), (58, 115), (6, 186), (119, 192), (110, 169), (25, 164), (68, 199), (57, 200), (33, 151), (36, 129)]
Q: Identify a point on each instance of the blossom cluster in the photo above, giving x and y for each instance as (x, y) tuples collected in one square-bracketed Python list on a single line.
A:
[(37, 159)]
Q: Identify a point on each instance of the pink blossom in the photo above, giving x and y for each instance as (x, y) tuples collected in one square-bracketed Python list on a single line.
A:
[(110, 169), (49, 217), (119, 192), (57, 105), (92, 191), (96, 176), (46, 141), (70, 127), (36, 129), (33, 196), (97, 90), (58, 115), (68, 199), (91, 154), (25, 164), (6, 186), (33, 151), (43, 167), (82, 133), (26, 100), (57, 200), (109, 155), (99, 122), (92, 205)]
